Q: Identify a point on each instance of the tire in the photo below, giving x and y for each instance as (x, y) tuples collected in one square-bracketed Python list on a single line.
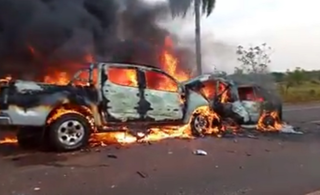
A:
[(29, 137), (69, 132), (199, 124)]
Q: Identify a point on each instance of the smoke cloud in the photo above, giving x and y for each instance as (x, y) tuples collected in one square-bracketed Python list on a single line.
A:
[(41, 35)]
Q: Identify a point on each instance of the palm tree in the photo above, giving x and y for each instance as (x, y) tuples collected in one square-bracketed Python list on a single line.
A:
[(180, 7)]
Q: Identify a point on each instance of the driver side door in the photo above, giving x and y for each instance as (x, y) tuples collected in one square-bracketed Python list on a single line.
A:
[(163, 95), (120, 93)]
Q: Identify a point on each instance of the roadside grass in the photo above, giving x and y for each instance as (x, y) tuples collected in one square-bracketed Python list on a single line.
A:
[(306, 92)]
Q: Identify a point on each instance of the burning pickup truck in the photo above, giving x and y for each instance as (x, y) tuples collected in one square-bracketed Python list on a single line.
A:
[(99, 98)]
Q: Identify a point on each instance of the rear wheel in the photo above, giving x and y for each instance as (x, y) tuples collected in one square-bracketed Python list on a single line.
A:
[(69, 132), (199, 125)]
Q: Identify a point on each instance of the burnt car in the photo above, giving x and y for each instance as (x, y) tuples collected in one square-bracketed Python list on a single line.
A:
[(258, 99), (245, 103), (100, 97)]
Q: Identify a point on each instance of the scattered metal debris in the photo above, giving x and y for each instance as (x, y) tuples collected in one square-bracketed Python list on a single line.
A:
[(141, 174), (252, 136), (290, 129), (200, 152), (112, 156)]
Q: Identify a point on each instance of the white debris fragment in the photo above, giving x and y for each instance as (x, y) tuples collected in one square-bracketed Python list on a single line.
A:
[(249, 126), (289, 129), (285, 129), (200, 152), (36, 189)]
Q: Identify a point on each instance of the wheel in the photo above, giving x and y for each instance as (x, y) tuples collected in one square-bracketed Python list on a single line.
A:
[(199, 125), (29, 137), (69, 132), (268, 120)]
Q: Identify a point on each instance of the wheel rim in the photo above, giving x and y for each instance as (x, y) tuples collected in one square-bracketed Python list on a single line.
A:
[(268, 121), (200, 123), (71, 132)]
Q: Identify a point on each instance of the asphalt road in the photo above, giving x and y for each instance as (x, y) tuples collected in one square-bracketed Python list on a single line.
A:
[(268, 165)]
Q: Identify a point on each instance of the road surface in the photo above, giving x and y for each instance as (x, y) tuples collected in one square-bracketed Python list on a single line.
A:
[(271, 164)]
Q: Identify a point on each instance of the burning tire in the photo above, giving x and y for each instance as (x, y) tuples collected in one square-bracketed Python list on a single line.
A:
[(29, 137), (199, 125), (69, 132), (268, 120)]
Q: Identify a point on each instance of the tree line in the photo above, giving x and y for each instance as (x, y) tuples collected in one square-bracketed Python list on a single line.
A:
[(254, 64)]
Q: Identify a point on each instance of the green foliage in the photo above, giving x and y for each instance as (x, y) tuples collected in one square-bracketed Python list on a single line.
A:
[(296, 77), (296, 85), (208, 6), (253, 59), (305, 92), (180, 7), (278, 76)]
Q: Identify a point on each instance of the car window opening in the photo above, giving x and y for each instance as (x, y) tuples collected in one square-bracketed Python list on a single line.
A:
[(123, 76), (247, 94), (161, 82), (209, 89)]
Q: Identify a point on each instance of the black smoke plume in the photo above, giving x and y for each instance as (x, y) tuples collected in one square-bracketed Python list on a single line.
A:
[(37, 36)]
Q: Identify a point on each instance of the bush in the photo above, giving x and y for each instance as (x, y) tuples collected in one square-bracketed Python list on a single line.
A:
[(306, 92)]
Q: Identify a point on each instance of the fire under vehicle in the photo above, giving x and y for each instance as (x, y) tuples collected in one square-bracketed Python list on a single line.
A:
[(245, 104), (102, 97)]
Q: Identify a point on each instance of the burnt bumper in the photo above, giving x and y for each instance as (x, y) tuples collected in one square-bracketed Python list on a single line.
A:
[(5, 119)]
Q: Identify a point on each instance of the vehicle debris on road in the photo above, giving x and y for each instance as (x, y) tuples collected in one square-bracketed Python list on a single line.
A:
[(141, 174), (200, 152), (112, 156)]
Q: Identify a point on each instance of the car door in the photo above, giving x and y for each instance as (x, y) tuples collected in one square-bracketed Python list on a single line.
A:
[(120, 93), (163, 94), (250, 102)]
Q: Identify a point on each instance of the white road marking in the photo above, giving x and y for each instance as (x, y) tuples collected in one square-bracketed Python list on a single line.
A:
[(301, 108), (314, 193), (317, 121)]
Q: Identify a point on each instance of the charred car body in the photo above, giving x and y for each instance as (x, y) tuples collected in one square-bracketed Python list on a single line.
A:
[(66, 115), (244, 103)]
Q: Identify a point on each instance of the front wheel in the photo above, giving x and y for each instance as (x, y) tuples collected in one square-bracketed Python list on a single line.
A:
[(69, 132), (199, 124)]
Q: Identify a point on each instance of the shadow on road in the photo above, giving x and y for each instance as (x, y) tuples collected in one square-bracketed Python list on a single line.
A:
[(21, 157)]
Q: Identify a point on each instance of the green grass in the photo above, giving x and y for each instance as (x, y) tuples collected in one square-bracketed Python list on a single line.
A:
[(306, 92)]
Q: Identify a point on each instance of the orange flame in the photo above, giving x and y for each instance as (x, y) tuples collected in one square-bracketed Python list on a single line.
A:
[(170, 64), (8, 140), (273, 124)]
